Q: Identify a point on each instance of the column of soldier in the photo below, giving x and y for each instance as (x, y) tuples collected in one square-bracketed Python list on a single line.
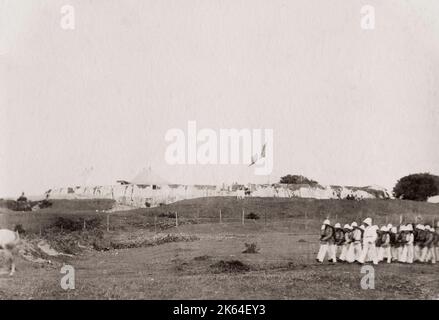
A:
[(366, 242)]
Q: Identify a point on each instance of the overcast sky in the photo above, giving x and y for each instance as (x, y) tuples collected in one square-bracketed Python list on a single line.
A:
[(347, 106)]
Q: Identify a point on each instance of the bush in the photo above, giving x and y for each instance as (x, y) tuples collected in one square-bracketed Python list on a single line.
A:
[(252, 216), (416, 187), (251, 248), (19, 228), (297, 179), (67, 224)]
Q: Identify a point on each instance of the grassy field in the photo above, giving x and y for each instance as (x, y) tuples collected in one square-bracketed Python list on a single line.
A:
[(212, 264)]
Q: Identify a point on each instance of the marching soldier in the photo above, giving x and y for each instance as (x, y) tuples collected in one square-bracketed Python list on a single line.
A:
[(410, 239), (355, 248), (369, 239), (402, 241), (347, 243), (428, 253), (419, 239), (394, 243), (339, 238), (383, 242), (327, 243)]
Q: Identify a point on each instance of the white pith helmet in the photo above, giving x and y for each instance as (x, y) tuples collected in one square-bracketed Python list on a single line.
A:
[(354, 224), (327, 222), (383, 228), (394, 230), (346, 226), (368, 221), (337, 225)]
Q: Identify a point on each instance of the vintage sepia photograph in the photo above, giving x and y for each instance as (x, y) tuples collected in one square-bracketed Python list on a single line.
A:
[(219, 150)]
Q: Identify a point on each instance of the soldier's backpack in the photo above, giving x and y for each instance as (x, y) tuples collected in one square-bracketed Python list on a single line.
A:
[(327, 230), (392, 238), (339, 236), (382, 238), (401, 238)]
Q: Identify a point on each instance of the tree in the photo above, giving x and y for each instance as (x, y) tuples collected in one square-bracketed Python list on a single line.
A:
[(418, 187), (297, 179)]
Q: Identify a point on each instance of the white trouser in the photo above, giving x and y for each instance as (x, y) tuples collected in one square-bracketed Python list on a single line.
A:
[(384, 252), (431, 255), (351, 253), (344, 252), (417, 253), (394, 253), (369, 249), (327, 248), (410, 253), (403, 253), (424, 252)]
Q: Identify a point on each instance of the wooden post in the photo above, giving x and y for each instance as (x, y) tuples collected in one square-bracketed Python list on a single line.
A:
[(198, 216), (400, 219), (84, 225), (176, 218), (108, 223), (155, 224), (242, 216), (306, 221), (221, 220)]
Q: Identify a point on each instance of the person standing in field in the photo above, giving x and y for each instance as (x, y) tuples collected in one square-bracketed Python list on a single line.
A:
[(355, 249), (419, 240), (410, 238), (347, 243), (393, 243), (338, 238), (436, 242), (327, 245), (369, 239), (402, 240), (428, 253), (384, 250)]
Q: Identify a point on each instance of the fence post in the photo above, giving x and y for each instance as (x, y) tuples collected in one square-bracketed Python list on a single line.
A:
[(221, 220), (176, 218), (108, 223), (400, 219), (242, 216), (155, 224), (306, 221), (84, 225)]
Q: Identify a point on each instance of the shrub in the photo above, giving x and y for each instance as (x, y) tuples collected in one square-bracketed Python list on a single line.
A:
[(251, 248), (297, 179), (416, 187), (252, 216)]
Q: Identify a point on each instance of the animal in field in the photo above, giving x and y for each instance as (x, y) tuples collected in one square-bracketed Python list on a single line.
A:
[(8, 243)]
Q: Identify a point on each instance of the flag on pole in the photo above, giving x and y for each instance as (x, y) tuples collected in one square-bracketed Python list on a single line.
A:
[(256, 157)]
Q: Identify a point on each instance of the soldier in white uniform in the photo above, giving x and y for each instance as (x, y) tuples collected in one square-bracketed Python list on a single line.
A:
[(369, 239), (327, 243), (354, 250), (384, 245), (347, 242)]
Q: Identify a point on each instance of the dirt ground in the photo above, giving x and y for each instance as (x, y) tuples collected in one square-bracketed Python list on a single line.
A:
[(214, 267)]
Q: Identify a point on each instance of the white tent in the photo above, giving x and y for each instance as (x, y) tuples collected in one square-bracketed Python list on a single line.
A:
[(148, 177), (434, 199)]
